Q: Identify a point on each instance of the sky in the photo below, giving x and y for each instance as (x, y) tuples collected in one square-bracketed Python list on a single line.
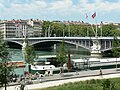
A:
[(63, 10)]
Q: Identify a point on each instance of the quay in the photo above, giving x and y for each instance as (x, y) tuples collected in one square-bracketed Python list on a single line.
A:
[(57, 79)]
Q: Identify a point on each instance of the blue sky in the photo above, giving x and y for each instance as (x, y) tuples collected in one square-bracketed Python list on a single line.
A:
[(106, 10)]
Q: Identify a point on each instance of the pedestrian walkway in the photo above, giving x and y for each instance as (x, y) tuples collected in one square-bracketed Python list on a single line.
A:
[(80, 74), (57, 79)]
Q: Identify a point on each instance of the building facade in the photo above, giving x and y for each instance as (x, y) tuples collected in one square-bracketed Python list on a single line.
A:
[(21, 28)]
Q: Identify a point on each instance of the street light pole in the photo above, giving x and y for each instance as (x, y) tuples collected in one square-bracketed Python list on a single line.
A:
[(116, 63), (63, 33), (5, 76), (69, 60), (24, 45), (5, 80), (69, 30)]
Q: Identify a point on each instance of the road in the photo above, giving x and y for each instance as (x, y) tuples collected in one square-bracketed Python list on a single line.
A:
[(57, 79)]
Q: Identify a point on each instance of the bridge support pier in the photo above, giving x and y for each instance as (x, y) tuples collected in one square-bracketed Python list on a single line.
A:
[(55, 47), (95, 52), (77, 46)]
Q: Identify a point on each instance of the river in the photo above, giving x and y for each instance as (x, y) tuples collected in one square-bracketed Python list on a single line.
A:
[(16, 54)]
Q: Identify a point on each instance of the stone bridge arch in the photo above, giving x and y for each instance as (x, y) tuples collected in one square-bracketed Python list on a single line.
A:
[(84, 42), (14, 44), (59, 41)]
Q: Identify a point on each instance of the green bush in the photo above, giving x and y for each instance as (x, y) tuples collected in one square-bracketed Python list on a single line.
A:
[(98, 84)]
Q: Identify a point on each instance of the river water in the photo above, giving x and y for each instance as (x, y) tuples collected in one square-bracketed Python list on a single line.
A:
[(76, 53)]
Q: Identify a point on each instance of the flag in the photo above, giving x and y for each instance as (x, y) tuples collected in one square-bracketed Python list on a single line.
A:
[(94, 15), (86, 16), (18, 24)]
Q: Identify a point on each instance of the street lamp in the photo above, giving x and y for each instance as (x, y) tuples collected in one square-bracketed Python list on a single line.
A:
[(69, 67), (24, 45), (5, 76)]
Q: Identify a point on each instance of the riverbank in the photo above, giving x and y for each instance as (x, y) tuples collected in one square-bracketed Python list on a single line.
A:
[(57, 79), (93, 84)]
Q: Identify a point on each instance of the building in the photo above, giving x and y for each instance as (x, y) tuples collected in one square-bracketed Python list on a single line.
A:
[(20, 28), (36, 27), (8, 28)]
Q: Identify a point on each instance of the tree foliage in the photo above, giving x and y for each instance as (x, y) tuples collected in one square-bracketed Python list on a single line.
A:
[(81, 30), (30, 54), (116, 32), (61, 56), (108, 85), (116, 47), (108, 29), (4, 59)]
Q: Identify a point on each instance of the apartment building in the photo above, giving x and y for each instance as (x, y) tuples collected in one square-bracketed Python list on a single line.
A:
[(21, 28), (36, 27)]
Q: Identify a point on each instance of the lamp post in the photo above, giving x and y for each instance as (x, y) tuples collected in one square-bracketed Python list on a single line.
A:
[(116, 63), (5, 76), (68, 60), (24, 45)]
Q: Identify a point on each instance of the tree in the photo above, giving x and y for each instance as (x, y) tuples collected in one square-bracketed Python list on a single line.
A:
[(61, 56), (4, 59), (30, 54), (116, 49), (45, 27), (107, 29), (108, 85), (28, 51), (57, 28), (116, 32)]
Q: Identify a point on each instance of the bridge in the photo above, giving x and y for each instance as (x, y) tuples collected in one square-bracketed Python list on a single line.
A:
[(84, 42)]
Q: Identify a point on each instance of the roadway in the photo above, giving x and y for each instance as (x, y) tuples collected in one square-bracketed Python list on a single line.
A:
[(57, 79)]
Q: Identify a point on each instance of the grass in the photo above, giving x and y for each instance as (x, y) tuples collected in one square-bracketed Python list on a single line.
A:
[(94, 84)]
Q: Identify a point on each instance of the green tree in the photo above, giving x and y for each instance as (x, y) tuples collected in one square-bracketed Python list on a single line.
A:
[(106, 84), (45, 27), (107, 29), (30, 54), (58, 28), (116, 32), (116, 49), (4, 59), (61, 56)]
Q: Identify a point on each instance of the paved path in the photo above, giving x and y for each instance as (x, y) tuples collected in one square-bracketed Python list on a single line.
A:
[(57, 79), (81, 74)]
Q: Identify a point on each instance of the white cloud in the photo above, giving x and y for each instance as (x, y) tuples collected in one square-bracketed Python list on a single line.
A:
[(41, 8), (98, 5), (60, 5), (83, 1), (19, 10), (30, 6)]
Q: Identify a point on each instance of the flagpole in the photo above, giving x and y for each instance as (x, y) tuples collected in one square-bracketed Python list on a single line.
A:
[(101, 28), (96, 28), (93, 29), (69, 29), (87, 25), (91, 24), (96, 45), (94, 15), (87, 31)]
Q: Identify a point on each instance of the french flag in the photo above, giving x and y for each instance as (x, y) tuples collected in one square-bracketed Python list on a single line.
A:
[(18, 25), (86, 16), (94, 15)]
